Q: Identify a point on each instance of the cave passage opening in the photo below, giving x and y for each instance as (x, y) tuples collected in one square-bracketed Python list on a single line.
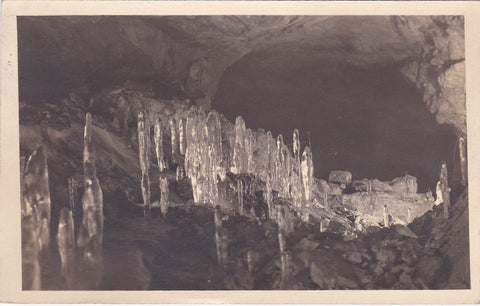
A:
[(367, 119)]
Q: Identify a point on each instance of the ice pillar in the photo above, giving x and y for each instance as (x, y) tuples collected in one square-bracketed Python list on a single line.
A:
[(66, 245), (220, 237), (143, 148), (463, 160), (158, 139), (37, 194), (445, 189), (307, 174)]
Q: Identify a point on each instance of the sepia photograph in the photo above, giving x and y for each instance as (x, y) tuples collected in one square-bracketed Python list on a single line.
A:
[(234, 152)]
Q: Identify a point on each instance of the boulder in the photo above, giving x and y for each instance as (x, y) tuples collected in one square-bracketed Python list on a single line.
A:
[(404, 185), (328, 187), (375, 185), (340, 177)]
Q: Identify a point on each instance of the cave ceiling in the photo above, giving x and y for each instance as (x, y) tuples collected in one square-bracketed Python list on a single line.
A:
[(189, 54)]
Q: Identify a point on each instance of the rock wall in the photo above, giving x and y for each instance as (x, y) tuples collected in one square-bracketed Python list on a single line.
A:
[(438, 66)]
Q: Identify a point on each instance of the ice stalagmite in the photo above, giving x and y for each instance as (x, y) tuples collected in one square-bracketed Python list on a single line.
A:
[(445, 189), (37, 194), (22, 185), (307, 174), (240, 192), (31, 272), (220, 237), (35, 200), (191, 126), (249, 143), (66, 245), (240, 158), (282, 242), (179, 173), (286, 161), (462, 150), (296, 145), (181, 136), (215, 151), (386, 220), (72, 192), (164, 191), (91, 230), (173, 136), (143, 148), (268, 194), (158, 139), (279, 166)]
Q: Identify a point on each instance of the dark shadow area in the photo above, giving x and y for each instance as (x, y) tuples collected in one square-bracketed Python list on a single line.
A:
[(367, 120)]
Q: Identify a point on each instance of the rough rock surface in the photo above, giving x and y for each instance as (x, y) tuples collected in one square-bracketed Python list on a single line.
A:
[(340, 177), (185, 57)]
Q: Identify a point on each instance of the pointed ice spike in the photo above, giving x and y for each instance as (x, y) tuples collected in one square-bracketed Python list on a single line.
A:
[(191, 126), (66, 245), (31, 273), (215, 140), (445, 189), (282, 242), (173, 136), (22, 186), (181, 136), (72, 192), (296, 144), (249, 151), (240, 154), (463, 160), (179, 173), (307, 174), (37, 194), (144, 161), (220, 237), (164, 192), (158, 138), (386, 221), (240, 194)]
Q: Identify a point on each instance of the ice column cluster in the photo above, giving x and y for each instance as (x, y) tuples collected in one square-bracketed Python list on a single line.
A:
[(210, 151), (204, 155)]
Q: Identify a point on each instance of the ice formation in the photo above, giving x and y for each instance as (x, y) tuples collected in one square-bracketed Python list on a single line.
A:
[(164, 191), (307, 174), (462, 150), (158, 139), (144, 156), (181, 136), (240, 155), (90, 234), (72, 192), (66, 245), (179, 173), (240, 192), (445, 190), (204, 155), (282, 242), (173, 136), (220, 237), (37, 195), (35, 199)]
